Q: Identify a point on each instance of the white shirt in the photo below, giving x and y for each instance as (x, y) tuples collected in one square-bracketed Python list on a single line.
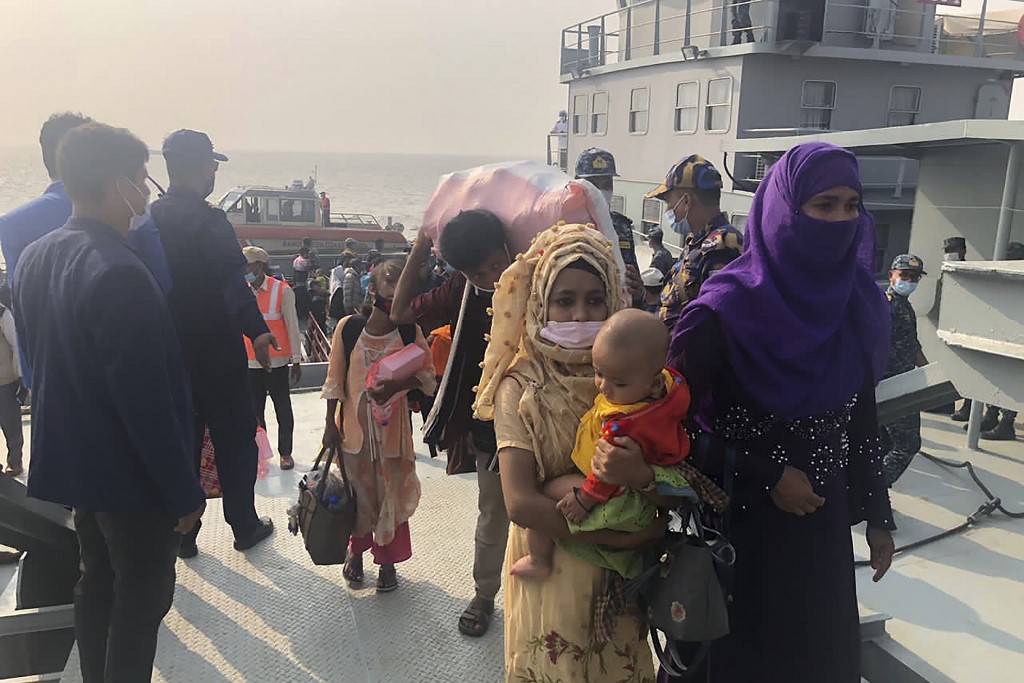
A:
[(291, 322)]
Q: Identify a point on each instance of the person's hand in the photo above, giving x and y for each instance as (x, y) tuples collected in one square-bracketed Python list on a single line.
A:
[(620, 462), (332, 435), (261, 349), (794, 493), (422, 240), (882, 549), (186, 523), (633, 282), (296, 373), (383, 390), (571, 508)]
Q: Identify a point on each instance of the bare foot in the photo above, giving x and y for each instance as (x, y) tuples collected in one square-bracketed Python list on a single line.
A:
[(571, 508), (528, 568)]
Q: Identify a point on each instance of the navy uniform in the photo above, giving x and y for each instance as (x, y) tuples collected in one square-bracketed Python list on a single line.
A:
[(596, 163), (901, 438), (213, 307), (706, 249)]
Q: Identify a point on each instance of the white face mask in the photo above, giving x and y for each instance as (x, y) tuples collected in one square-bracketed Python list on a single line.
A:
[(572, 335), (607, 194), (137, 218)]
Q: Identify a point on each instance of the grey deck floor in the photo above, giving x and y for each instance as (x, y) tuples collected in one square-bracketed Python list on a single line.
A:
[(270, 615)]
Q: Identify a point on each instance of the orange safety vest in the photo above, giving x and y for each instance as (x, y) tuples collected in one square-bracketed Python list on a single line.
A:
[(271, 301)]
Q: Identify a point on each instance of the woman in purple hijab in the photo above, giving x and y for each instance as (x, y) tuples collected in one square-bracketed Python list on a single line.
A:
[(782, 350)]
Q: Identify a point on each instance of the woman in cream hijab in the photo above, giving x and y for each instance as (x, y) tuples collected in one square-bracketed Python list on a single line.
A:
[(536, 391)]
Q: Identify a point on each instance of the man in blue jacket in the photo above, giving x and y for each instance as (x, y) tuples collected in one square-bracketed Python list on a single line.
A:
[(112, 420), (213, 307)]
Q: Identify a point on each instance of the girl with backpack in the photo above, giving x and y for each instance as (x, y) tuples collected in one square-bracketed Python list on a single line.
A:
[(379, 458)]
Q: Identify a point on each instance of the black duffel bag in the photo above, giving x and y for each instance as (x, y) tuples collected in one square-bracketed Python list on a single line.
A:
[(326, 511)]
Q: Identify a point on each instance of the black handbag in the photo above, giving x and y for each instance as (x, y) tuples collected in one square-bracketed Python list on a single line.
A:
[(681, 594), (326, 510)]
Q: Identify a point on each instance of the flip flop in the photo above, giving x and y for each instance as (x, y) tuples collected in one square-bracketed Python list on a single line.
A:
[(353, 569)]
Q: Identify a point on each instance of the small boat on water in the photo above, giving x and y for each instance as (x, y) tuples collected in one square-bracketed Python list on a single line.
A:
[(278, 219)]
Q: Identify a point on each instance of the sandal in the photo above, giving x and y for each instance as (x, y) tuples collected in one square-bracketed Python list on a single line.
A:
[(353, 569), (387, 579), (475, 621)]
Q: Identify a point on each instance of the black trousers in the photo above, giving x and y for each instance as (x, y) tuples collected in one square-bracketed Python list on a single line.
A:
[(229, 414), (277, 384), (125, 590)]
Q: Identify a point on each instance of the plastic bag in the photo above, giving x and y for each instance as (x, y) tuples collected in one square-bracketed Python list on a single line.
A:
[(265, 451)]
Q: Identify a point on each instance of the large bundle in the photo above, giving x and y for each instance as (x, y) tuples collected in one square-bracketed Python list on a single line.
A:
[(528, 197)]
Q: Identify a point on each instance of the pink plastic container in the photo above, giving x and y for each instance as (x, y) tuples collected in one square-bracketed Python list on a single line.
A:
[(401, 365)]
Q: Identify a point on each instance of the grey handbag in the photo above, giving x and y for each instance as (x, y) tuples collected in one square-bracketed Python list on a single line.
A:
[(682, 594)]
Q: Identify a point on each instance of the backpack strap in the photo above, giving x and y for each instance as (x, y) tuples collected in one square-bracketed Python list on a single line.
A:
[(408, 333), (350, 332)]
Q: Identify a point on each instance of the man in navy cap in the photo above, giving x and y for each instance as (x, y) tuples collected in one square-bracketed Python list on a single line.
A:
[(597, 166), (902, 438), (213, 308)]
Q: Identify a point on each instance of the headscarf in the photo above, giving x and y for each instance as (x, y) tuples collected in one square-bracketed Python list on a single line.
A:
[(803, 321), (558, 384)]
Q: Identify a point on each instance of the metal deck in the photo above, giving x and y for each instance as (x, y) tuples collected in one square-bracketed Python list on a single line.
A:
[(270, 615)]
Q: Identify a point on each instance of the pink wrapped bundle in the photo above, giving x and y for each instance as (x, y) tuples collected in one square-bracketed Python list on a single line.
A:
[(528, 197), (401, 365)]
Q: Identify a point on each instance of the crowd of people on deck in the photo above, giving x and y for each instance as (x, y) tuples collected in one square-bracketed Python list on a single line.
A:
[(740, 373)]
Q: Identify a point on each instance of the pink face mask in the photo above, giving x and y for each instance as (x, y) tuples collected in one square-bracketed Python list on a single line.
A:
[(572, 335)]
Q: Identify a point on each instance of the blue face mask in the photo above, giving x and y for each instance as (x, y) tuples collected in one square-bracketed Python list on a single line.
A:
[(904, 288), (680, 226), (250, 278)]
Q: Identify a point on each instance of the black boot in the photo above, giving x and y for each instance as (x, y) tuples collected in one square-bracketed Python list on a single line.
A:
[(990, 420), (1003, 431), (963, 413)]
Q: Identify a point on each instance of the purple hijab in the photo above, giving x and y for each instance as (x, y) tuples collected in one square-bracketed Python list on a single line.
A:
[(804, 323)]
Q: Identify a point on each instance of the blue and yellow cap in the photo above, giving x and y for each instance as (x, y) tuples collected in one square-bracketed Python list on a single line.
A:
[(908, 262), (595, 162), (690, 173)]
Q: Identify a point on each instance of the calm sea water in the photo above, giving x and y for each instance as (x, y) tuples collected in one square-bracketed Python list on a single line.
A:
[(385, 185)]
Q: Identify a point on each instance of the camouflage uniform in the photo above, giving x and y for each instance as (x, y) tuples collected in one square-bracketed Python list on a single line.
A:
[(706, 250), (901, 438), (594, 163)]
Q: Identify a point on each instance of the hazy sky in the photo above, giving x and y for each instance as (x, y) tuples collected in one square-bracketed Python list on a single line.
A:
[(422, 76)]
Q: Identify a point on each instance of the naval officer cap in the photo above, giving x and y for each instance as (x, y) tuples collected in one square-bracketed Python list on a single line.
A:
[(908, 262), (594, 163), (190, 147)]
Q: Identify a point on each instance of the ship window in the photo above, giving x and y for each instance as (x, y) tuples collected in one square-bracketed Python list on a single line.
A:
[(618, 203), (579, 115), (687, 106), (817, 101), (718, 112), (298, 211), (273, 208), (599, 114), (904, 105), (653, 210), (639, 110)]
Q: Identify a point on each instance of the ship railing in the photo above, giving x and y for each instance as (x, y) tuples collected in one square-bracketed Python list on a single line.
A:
[(918, 29), (652, 27), (558, 150), (355, 220), (658, 27), (318, 344)]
